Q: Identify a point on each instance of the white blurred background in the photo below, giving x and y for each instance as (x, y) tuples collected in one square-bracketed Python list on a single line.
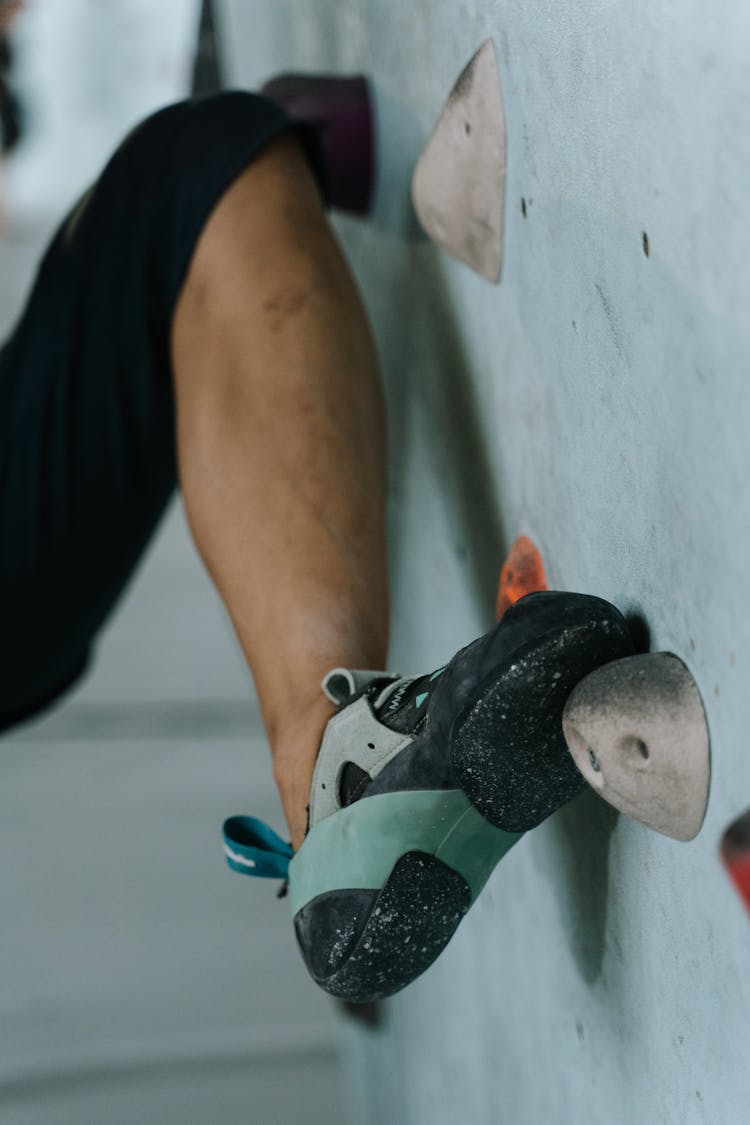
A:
[(88, 71)]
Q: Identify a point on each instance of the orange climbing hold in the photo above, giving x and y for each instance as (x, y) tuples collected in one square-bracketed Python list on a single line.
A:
[(522, 573)]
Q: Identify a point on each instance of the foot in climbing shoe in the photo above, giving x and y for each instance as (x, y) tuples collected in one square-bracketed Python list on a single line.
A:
[(341, 109), (423, 784)]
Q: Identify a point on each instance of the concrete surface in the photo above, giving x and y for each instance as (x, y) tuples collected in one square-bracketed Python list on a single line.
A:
[(597, 400)]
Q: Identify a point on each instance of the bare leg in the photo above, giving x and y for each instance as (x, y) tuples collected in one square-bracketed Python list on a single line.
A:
[(281, 451)]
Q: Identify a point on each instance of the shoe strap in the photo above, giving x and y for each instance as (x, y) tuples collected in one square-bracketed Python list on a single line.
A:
[(251, 847)]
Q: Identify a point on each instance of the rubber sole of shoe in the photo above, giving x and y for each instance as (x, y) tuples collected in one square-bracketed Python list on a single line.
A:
[(518, 779), (410, 923), (367, 950)]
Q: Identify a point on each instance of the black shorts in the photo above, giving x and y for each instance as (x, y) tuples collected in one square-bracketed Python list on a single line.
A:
[(87, 436)]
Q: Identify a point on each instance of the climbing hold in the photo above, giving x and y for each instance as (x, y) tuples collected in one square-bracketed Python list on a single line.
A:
[(522, 573), (735, 852), (459, 179), (637, 731), (341, 109)]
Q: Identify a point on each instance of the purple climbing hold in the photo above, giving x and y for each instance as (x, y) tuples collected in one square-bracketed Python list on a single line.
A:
[(341, 110)]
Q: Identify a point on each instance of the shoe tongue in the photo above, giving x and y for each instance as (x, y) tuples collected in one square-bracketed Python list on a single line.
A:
[(341, 685), (399, 703), (402, 706)]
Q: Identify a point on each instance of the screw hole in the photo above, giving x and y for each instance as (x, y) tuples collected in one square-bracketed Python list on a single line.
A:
[(634, 749), (370, 745), (467, 127)]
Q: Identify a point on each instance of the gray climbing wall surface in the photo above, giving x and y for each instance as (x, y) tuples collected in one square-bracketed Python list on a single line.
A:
[(598, 400)]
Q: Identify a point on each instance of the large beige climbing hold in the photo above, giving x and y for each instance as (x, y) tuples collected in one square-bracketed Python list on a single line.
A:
[(637, 731), (459, 179)]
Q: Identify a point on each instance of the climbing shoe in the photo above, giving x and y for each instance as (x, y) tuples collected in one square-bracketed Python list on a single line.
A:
[(423, 784)]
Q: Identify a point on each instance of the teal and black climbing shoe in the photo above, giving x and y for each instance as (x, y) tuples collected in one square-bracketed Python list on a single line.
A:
[(423, 784)]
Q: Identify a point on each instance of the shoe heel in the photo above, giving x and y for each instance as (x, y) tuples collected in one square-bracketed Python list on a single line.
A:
[(409, 924), (508, 751)]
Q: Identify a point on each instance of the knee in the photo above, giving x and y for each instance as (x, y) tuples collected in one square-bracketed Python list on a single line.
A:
[(269, 226), (274, 201)]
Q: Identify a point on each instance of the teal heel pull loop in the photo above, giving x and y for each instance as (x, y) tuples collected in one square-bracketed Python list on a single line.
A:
[(252, 848)]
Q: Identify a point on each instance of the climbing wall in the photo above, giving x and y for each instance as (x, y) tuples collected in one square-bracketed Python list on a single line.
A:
[(597, 400)]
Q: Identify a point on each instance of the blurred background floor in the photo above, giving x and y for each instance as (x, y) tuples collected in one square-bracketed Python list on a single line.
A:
[(139, 980)]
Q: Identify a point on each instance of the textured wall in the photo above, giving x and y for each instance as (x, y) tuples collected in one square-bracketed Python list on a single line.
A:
[(598, 399)]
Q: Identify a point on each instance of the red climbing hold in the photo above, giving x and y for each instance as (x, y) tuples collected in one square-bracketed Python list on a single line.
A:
[(735, 852)]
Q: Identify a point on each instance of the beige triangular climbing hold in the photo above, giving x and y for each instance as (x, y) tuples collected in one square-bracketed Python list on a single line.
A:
[(637, 731), (459, 179)]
